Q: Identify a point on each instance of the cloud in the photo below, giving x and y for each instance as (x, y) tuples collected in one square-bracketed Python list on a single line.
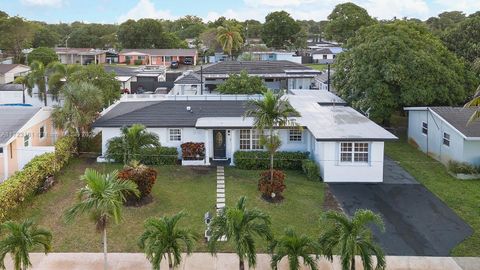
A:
[(49, 3), (146, 9)]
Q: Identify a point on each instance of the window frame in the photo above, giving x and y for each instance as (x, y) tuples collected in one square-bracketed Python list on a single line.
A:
[(44, 132), (2, 150), (170, 135), (353, 152), (446, 139), (298, 135), (424, 128), (28, 141), (249, 140)]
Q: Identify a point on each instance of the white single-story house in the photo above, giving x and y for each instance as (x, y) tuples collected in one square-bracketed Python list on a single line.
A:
[(347, 146), (189, 83), (277, 56), (8, 72), (444, 133), (325, 55)]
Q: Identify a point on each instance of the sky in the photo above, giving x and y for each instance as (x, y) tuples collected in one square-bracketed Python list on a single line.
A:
[(117, 11)]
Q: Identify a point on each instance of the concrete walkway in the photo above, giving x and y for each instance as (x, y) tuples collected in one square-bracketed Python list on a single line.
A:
[(220, 188), (223, 261)]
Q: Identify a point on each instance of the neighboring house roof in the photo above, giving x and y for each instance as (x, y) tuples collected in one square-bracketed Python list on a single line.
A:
[(12, 119), (168, 113), (324, 76), (165, 52), (5, 68), (258, 68), (79, 51), (323, 51), (11, 87), (189, 77), (121, 71), (457, 117)]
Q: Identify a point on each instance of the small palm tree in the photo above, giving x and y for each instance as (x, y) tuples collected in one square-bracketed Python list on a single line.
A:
[(20, 239), (270, 112), (162, 238), (128, 146), (293, 246), (229, 37), (58, 74), (351, 237), (38, 77), (23, 81), (241, 227), (103, 197), (475, 102)]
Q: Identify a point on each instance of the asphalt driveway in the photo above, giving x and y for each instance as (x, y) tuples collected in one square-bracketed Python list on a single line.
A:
[(417, 223)]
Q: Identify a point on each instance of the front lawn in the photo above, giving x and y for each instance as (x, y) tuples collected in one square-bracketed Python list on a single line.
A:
[(463, 196), (177, 188), (320, 67)]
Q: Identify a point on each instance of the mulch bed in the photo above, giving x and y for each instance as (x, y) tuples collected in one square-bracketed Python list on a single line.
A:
[(139, 203), (276, 199)]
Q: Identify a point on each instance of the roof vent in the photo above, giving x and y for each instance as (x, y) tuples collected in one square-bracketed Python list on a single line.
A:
[(189, 108)]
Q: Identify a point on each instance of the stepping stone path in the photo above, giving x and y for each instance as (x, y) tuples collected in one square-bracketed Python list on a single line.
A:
[(220, 188)]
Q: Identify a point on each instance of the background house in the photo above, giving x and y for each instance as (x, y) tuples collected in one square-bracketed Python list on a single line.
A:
[(25, 132), (189, 83), (277, 56), (82, 56), (325, 55), (8, 72), (444, 133), (163, 57)]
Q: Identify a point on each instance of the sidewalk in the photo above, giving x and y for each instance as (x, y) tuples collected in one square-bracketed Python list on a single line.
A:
[(225, 261)]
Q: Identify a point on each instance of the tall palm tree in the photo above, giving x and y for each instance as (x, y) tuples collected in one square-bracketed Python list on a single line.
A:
[(38, 77), (475, 102), (128, 146), (241, 227), (229, 37), (23, 81), (162, 238), (102, 197), (293, 246), (351, 237), (270, 112), (20, 239), (58, 74)]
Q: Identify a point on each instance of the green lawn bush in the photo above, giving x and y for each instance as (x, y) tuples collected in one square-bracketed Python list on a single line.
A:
[(311, 169), (462, 167), (159, 156), (260, 160), (25, 183)]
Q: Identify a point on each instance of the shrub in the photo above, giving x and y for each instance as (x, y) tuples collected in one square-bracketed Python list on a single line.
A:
[(141, 175), (311, 169), (260, 160), (193, 151), (138, 62), (27, 181), (159, 155), (462, 167), (267, 187)]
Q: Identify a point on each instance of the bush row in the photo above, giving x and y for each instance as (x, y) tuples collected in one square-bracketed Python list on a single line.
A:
[(260, 160), (462, 167), (26, 182), (311, 169), (159, 156)]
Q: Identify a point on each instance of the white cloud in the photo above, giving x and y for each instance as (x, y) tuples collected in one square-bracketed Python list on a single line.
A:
[(278, 3), (49, 3), (146, 9)]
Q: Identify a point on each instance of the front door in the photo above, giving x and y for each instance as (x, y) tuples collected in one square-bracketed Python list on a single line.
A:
[(219, 144)]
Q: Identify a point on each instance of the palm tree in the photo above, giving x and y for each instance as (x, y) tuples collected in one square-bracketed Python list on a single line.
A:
[(351, 237), (475, 102), (162, 238), (229, 37), (20, 239), (82, 103), (293, 246), (58, 74), (38, 77), (128, 146), (23, 81), (241, 227), (103, 197), (273, 111)]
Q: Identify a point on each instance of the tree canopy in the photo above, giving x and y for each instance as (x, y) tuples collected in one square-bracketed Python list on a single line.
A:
[(280, 30), (444, 21), (45, 37), (242, 84), (147, 33), (391, 65), (43, 55), (16, 34), (345, 20), (464, 38)]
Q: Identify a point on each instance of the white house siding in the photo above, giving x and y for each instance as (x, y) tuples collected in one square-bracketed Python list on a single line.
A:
[(433, 143), (300, 83)]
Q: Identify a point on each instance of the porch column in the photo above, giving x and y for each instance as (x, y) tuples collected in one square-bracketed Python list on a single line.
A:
[(309, 143), (5, 162), (207, 147), (95, 56), (81, 59), (233, 149)]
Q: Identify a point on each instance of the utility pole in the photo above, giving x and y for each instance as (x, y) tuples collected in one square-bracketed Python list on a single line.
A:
[(328, 78), (201, 79)]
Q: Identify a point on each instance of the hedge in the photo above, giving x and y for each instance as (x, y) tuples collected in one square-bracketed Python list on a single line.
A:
[(260, 160), (159, 156), (311, 169), (25, 183)]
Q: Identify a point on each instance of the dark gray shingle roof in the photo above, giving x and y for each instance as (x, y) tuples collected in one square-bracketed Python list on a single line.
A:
[(458, 118), (188, 78), (253, 67), (12, 119), (4, 68), (11, 87), (168, 113)]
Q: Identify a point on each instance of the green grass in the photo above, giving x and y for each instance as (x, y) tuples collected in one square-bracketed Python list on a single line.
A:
[(463, 196), (320, 67), (177, 188)]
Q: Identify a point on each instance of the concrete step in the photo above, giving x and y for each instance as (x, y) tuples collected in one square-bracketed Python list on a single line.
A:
[(220, 200), (221, 190), (220, 177), (221, 186), (220, 205), (220, 195), (221, 182)]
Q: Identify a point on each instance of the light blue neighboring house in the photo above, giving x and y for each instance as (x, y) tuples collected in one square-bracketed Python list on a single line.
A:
[(444, 133), (277, 56)]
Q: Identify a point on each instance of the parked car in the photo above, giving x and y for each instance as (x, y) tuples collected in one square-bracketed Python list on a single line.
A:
[(174, 65), (188, 61)]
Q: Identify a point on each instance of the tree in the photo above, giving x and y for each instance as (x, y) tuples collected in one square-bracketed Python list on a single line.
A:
[(242, 84), (58, 74), (23, 81), (102, 197), (273, 111), (253, 29), (294, 246), (389, 66), (230, 38), (444, 21), (130, 144), (345, 20), (187, 27), (37, 77), (43, 55), (209, 40), (351, 237), (45, 37), (92, 35), (147, 33), (162, 238), (241, 227), (280, 30), (474, 103), (19, 240), (17, 34), (464, 39), (82, 102), (105, 81), (3, 14)]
